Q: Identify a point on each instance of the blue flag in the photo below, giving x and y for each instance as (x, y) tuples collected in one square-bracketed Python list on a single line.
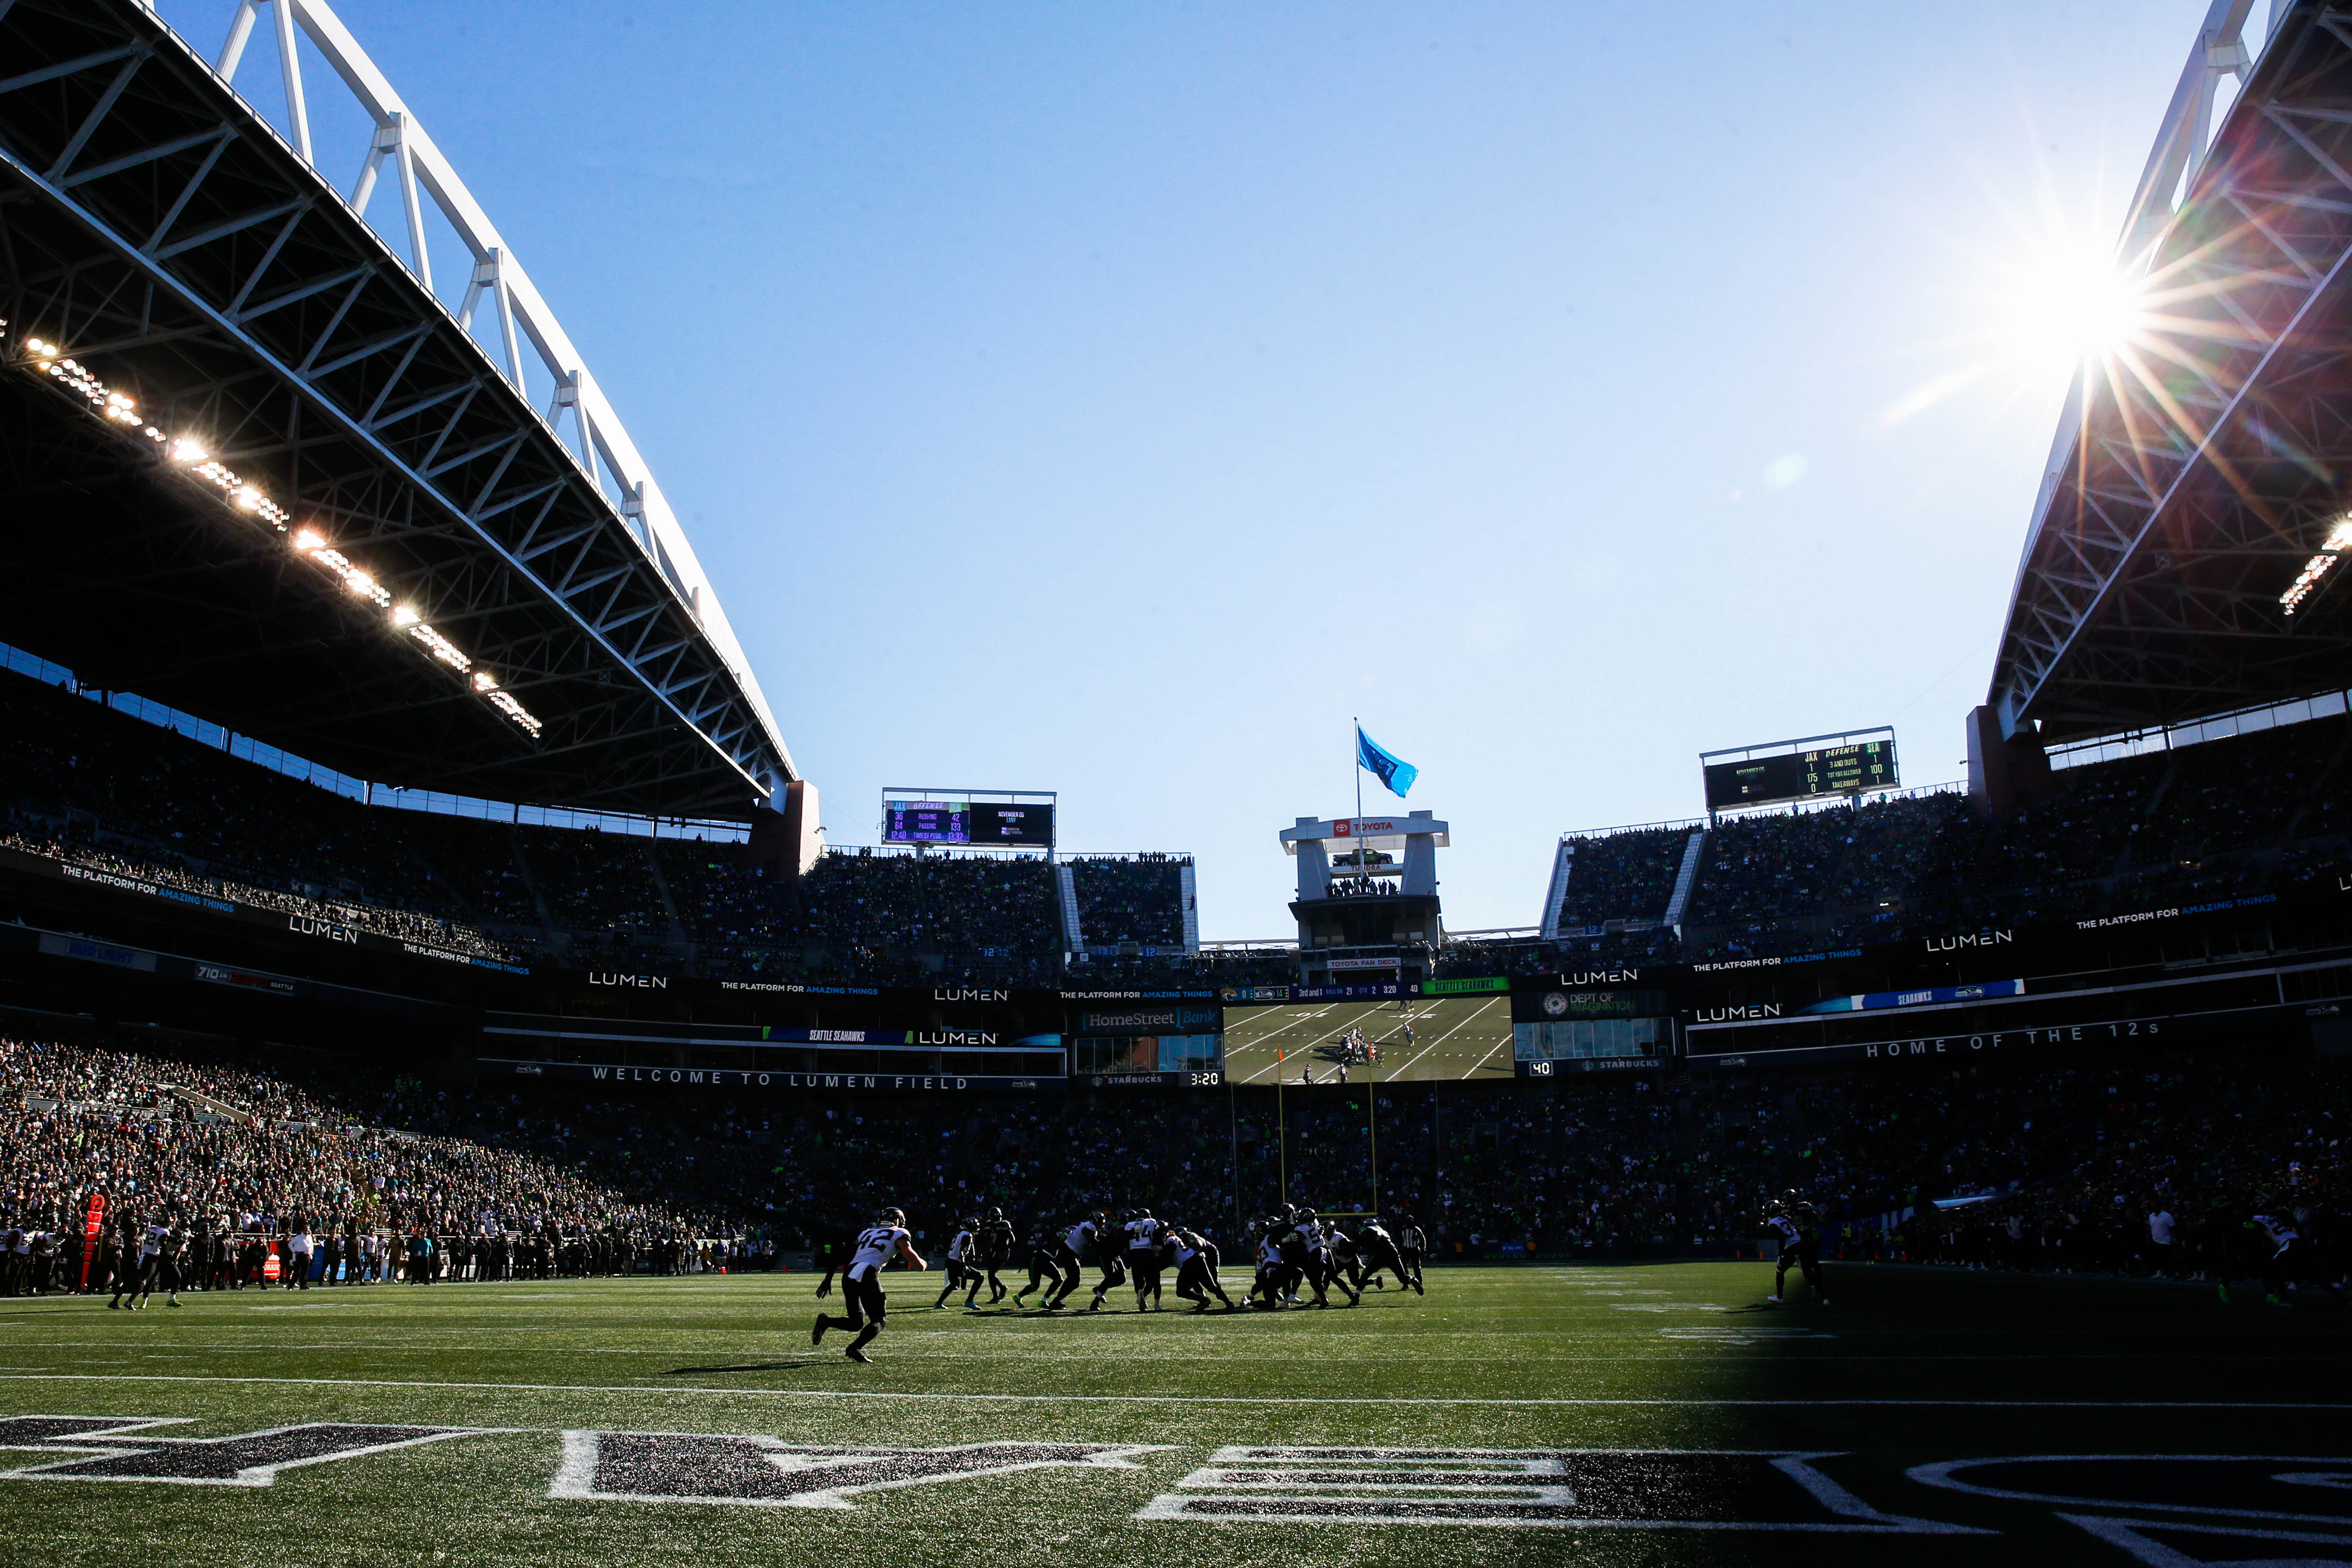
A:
[(1392, 770)]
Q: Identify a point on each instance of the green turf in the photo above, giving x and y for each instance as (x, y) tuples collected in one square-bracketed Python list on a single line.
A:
[(1678, 1356), (1454, 1037)]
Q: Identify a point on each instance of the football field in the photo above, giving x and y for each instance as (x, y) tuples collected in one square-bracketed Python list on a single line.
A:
[(1610, 1414), (1453, 1037)]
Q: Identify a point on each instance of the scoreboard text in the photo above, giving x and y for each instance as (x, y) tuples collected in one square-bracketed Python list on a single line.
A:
[(1801, 775)]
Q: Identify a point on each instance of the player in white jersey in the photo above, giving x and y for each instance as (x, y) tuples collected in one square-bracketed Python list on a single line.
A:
[(1196, 1270), (1076, 1242), (1798, 1228), (1312, 1255), (861, 1281), (1143, 1242), (959, 1260), (1274, 1279), (137, 1279)]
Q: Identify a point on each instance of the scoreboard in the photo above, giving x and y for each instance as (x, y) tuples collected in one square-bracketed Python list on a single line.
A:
[(1847, 768), (927, 821), (1003, 821)]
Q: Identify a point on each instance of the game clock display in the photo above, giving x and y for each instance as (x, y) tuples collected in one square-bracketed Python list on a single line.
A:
[(1801, 775)]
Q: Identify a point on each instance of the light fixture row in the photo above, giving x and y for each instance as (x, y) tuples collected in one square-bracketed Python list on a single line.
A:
[(188, 454), (2331, 550)]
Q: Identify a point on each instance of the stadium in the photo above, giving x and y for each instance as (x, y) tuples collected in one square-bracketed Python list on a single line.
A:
[(429, 997)]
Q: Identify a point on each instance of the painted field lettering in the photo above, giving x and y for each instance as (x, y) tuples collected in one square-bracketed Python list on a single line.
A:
[(748, 1468), (1561, 1489), (119, 1450)]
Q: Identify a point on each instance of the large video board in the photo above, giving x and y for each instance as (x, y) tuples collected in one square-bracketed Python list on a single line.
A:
[(1844, 765), (1003, 819)]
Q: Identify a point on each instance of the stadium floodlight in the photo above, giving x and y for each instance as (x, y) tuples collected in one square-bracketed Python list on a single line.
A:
[(2331, 550), (247, 497), (443, 648)]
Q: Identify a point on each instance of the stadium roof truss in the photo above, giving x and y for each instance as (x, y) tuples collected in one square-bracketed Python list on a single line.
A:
[(197, 264), (2178, 559)]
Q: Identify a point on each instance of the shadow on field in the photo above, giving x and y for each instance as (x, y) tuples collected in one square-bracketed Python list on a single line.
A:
[(749, 1366)]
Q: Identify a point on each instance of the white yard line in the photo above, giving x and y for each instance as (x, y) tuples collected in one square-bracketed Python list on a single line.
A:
[(1440, 1040), (1332, 1033), (1489, 1055), (318, 1385)]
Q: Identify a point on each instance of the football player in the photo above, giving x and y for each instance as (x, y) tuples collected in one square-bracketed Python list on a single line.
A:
[(1379, 1252), (861, 1281), (1144, 1235), (959, 1261), (994, 1247), (1071, 1258), (1798, 1226), (1043, 1264), (1196, 1270)]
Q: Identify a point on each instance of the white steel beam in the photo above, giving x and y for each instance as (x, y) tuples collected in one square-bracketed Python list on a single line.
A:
[(424, 172)]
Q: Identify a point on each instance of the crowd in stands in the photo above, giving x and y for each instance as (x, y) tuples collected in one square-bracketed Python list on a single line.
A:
[(80, 781), (2056, 1167), (1623, 876), (1137, 900), (215, 1139), (2218, 817)]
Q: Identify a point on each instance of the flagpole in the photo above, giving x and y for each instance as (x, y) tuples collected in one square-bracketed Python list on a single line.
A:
[(1357, 745)]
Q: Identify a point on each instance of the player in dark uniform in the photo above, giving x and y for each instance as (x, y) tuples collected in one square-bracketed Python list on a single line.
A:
[(1196, 1270), (1043, 1264), (861, 1281), (1377, 1251), (1296, 1243), (2293, 1260), (1108, 1260), (1344, 1259), (1798, 1225), (994, 1247)]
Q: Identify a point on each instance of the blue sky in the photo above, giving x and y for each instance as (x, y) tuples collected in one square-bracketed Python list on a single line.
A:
[(1115, 400)]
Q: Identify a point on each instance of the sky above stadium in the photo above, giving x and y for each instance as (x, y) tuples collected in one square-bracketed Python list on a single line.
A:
[(1119, 401)]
